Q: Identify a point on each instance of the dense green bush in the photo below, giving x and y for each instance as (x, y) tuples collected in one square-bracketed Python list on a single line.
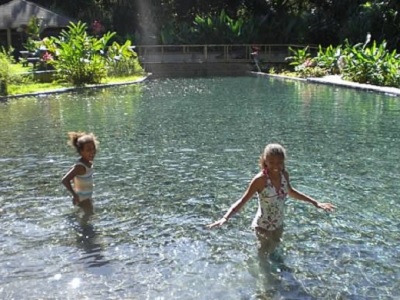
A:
[(304, 65), (8, 74), (373, 65), (328, 58), (211, 28), (361, 63), (79, 56), (122, 60), (4, 75)]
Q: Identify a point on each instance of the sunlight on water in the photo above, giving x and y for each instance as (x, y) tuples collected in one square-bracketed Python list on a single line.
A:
[(174, 154), (75, 283)]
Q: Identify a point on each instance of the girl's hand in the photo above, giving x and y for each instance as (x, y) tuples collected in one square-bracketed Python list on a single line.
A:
[(218, 223), (75, 200), (326, 206)]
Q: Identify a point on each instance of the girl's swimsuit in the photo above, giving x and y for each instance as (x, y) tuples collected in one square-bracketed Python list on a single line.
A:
[(271, 205), (83, 184)]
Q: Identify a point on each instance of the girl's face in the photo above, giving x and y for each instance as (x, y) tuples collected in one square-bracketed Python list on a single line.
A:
[(88, 151), (275, 163)]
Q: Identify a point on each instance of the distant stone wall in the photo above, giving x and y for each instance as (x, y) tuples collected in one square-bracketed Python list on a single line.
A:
[(197, 69)]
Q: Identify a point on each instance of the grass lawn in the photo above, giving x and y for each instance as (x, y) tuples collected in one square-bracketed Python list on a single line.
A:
[(19, 68), (30, 87)]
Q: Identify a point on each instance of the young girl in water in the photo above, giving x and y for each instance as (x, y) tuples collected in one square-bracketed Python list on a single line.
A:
[(81, 173), (272, 186)]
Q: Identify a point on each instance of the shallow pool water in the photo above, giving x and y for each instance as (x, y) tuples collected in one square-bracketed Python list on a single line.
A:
[(174, 155)]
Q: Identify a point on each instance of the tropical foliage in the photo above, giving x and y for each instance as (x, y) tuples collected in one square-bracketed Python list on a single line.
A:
[(8, 72), (304, 64), (317, 22), (80, 58), (211, 28), (370, 63), (122, 60), (374, 65), (4, 73)]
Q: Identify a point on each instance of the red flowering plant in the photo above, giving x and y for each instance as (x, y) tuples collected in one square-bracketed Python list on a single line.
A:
[(304, 65), (47, 57), (97, 28), (46, 61), (309, 63)]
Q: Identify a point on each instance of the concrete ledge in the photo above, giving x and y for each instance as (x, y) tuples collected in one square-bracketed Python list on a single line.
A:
[(336, 80), (197, 69), (72, 89)]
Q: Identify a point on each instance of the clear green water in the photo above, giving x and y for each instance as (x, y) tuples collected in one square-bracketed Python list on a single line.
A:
[(174, 155)]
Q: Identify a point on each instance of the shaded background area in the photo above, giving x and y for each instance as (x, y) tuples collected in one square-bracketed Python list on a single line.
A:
[(17, 14), (250, 21)]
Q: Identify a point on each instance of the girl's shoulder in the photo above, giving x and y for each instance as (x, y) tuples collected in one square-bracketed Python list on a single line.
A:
[(86, 165), (79, 164), (260, 174), (259, 180), (81, 167)]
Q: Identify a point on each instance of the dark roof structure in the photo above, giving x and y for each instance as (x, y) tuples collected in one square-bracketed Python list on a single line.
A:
[(17, 13)]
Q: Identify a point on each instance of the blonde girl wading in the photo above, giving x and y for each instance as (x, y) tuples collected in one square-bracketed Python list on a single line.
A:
[(272, 185)]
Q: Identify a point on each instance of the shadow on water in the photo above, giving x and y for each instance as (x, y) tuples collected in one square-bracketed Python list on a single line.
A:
[(276, 280), (88, 240)]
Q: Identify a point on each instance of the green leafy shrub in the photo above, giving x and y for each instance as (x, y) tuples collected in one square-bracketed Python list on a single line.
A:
[(122, 60), (359, 63), (329, 57), (310, 69), (299, 56), (80, 57), (4, 75), (304, 65), (374, 65), (8, 72), (214, 28), (211, 28)]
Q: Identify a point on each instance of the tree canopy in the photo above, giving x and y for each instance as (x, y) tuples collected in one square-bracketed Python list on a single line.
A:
[(273, 21)]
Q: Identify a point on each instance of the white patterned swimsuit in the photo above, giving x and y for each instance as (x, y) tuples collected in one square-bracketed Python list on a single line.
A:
[(83, 184), (271, 205)]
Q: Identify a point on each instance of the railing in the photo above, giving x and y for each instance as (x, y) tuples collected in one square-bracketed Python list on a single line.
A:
[(274, 53)]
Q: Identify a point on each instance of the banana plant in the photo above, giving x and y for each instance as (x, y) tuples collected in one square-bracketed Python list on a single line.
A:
[(80, 58), (299, 56), (374, 65), (122, 60), (328, 58)]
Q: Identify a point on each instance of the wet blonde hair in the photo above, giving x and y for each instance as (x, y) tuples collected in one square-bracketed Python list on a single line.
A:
[(79, 139), (271, 149)]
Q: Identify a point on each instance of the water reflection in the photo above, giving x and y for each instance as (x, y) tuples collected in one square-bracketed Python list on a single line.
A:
[(277, 280), (88, 240)]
